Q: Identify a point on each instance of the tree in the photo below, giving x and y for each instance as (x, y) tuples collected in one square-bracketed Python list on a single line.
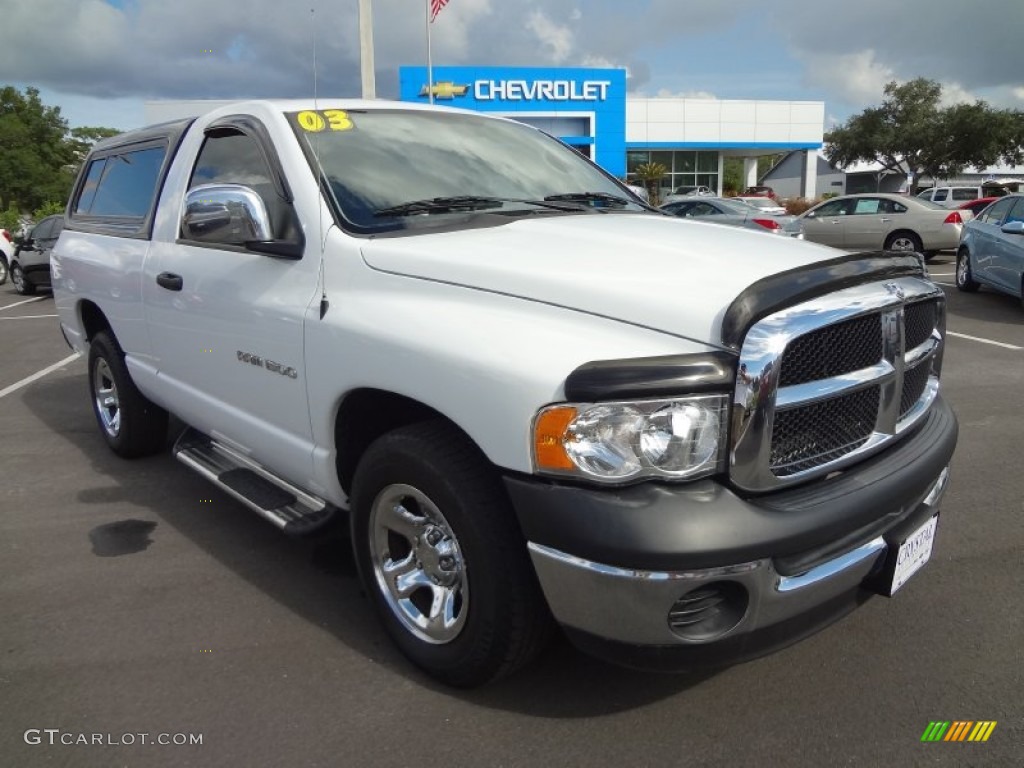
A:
[(911, 133), (649, 174), (40, 154)]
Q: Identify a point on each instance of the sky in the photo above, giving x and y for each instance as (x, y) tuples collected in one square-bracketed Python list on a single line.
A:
[(100, 60)]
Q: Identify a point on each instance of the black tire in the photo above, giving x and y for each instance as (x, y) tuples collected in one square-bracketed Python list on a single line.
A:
[(499, 618), (3, 269), (21, 285), (903, 241), (131, 424), (964, 277)]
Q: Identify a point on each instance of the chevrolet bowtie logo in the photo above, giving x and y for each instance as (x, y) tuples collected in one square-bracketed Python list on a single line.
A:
[(448, 90)]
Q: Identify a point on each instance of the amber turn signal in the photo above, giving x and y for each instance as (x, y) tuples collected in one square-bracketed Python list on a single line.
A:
[(548, 433)]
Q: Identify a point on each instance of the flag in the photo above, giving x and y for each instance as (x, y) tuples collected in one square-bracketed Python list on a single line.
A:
[(435, 8)]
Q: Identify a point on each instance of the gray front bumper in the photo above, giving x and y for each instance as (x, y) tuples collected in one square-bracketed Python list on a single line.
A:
[(631, 606)]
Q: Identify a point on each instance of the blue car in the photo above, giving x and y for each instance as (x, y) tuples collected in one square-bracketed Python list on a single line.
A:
[(991, 249)]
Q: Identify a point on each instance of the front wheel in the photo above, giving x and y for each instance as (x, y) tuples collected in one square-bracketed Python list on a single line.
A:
[(131, 425), (964, 278), (3, 269), (903, 242), (21, 285), (442, 557)]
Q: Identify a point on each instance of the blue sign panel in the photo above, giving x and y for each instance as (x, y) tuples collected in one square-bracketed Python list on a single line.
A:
[(590, 103)]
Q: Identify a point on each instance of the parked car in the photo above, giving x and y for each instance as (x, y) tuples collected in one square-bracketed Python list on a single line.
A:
[(681, 193), (950, 197), (30, 264), (976, 206), (991, 251), (882, 221), (6, 251), (767, 205), (732, 212), (759, 191)]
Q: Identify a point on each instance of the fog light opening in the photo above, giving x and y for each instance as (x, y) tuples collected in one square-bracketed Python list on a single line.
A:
[(709, 611)]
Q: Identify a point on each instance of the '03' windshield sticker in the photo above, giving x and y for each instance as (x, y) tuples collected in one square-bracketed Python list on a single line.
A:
[(332, 119)]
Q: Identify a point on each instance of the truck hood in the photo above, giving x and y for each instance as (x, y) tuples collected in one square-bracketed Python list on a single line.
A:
[(663, 273)]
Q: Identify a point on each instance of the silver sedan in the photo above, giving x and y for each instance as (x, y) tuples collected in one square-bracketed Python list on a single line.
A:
[(723, 210), (882, 221)]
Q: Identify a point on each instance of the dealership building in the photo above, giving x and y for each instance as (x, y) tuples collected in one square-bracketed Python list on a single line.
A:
[(590, 110)]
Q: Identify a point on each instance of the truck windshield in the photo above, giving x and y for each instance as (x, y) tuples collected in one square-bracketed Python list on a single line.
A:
[(391, 168)]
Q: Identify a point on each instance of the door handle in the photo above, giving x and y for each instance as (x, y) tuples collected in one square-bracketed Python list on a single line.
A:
[(884, 220), (170, 281)]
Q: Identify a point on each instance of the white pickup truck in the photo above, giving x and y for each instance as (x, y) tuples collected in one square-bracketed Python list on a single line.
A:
[(530, 396)]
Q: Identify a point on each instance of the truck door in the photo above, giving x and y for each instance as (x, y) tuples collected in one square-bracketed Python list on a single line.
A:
[(226, 322)]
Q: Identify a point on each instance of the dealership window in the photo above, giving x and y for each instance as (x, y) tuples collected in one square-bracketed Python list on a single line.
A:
[(686, 168)]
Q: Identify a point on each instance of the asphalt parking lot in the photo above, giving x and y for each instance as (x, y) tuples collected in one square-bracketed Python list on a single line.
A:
[(135, 598)]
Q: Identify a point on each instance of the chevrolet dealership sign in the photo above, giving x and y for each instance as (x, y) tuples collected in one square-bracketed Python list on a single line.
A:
[(531, 90), (523, 90)]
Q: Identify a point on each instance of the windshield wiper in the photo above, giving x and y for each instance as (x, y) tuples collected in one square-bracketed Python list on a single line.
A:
[(590, 197), (441, 205), (464, 203)]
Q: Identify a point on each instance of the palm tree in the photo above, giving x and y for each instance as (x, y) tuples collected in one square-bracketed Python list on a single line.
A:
[(649, 174)]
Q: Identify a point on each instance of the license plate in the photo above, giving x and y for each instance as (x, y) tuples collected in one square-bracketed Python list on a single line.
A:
[(913, 553)]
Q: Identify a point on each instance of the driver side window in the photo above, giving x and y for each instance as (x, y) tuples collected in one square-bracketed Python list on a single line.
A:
[(229, 156)]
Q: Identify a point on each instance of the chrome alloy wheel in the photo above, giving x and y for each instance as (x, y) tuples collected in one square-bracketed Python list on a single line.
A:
[(104, 390), (418, 564), (962, 270)]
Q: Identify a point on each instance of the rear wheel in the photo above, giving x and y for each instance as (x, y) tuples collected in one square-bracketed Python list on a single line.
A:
[(904, 242), (442, 557), (131, 425), (21, 285), (3, 269), (964, 278)]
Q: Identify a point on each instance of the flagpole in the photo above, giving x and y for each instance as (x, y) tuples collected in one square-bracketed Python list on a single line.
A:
[(430, 62), (366, 49)]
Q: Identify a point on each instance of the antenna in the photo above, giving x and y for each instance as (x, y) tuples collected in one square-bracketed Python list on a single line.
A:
[(324, 303)]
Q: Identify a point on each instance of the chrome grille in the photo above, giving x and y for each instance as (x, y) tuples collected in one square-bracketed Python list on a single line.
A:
[(919, 322), (832, 350), (805, 438), (914, 382), (827, 382)]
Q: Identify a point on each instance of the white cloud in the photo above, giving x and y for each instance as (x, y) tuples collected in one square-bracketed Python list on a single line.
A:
[(1019, 93), (855, 78), (954, 93), (557, 39)]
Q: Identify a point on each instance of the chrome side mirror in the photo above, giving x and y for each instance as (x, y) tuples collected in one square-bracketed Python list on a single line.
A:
[(225, 214)]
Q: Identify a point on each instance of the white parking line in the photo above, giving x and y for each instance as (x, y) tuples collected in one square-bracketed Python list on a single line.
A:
[(941, 274), (26, 317), (26, 301), (37, 375), (984, 341)]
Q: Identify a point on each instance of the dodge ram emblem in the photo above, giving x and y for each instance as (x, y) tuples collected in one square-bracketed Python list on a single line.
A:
[(895, 290)]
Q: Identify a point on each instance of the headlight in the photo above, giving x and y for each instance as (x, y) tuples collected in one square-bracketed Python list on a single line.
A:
[(680, 438)]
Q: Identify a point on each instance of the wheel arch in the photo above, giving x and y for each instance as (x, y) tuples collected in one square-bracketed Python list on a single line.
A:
[(93, 320), (367, 413)]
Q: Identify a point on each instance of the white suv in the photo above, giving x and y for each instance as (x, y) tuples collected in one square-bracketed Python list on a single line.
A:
[(951, 197)]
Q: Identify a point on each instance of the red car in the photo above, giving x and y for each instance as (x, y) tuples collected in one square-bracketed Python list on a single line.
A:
[(760, 191), (977, 206)]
